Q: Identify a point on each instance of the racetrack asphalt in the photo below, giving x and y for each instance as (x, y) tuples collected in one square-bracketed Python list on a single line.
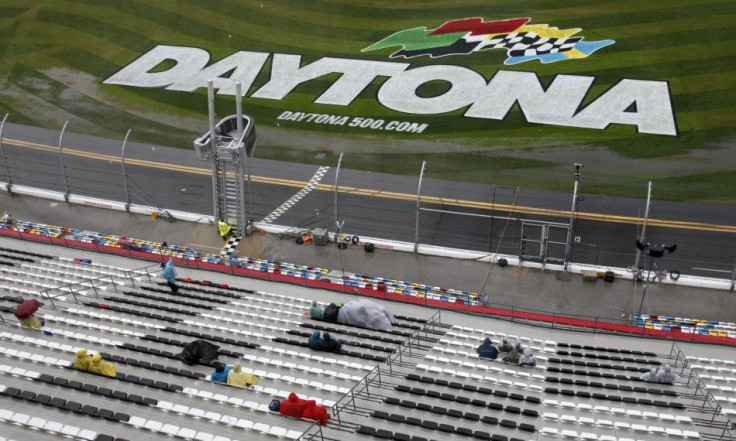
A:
[(382, 205)]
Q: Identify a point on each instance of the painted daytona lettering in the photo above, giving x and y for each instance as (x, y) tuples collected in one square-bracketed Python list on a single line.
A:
[(644, 104)]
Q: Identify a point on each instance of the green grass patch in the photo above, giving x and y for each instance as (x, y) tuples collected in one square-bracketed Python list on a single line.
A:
[(687, 43)]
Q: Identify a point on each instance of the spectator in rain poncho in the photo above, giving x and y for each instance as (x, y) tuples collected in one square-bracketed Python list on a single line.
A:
[(236, 377), (296, 407), (665, 375), (513, 356), (220, 374), (650, 377), (169, 273), (314, 340), (366, 314), (315, 311), (527, 359), (329, 344), (97, 366), (81, 360), (486, 350), (508, 344)]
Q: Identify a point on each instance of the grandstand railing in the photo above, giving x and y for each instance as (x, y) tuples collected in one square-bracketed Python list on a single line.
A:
[(335, 283), (363, 386), (405, 348), (94, 284), (78, 288), (701, 390), (313, 432)]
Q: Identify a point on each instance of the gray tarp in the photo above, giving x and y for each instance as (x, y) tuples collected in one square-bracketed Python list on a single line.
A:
[(366, 314)]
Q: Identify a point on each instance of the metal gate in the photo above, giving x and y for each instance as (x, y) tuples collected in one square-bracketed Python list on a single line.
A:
[(543, 241)]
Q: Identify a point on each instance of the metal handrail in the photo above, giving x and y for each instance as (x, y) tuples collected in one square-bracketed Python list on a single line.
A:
[(68, 289), (307, 433), (350, 395)]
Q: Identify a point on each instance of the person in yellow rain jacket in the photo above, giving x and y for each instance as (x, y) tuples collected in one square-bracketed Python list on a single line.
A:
[(236, 377), (81, 361), (224, 228), (97, 366)]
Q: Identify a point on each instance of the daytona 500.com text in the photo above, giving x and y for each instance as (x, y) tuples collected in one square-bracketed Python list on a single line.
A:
[(355, 121)]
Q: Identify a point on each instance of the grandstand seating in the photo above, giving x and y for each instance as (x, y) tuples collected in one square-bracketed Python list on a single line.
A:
[(430, 383)]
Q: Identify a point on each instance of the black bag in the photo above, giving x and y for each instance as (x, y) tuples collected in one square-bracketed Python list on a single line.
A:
[(200, 352), (330, 314)]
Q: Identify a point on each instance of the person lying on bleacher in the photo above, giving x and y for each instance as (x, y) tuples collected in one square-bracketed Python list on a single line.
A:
[(665, 375), (508, 344), (513, 356), (220, 374), (329, 344), (236, 377), (527, 359), (650, 377), (316, 413), (315, 311), (486, 350), (81, 360), (97, 366), (296, 407), (314, 340)]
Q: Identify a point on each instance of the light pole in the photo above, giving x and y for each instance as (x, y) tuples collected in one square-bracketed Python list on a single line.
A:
[(568, 243)]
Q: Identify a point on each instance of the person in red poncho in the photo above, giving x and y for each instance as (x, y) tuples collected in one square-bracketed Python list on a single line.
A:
[(296, 407)]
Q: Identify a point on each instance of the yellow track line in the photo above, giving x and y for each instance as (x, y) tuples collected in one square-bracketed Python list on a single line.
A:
[(698, 226)]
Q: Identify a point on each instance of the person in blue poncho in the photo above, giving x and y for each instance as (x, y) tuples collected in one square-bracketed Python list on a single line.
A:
[(329, 344), (220, 374), (315, 339), (169, 273), (487, 350)]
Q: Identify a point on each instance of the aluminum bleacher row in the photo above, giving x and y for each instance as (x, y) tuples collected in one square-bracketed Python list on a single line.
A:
[(429, 383), (297, 271), (411, 292)]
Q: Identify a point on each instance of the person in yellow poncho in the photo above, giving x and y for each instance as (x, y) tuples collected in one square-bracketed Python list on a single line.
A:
[(236, 377), (97, 366), (31, 322), (81, 361)]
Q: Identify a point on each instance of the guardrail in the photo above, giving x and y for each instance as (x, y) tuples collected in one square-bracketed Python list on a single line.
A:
[(397, 356), (701, 389), (334, 283), (313, 432), (349, 398)]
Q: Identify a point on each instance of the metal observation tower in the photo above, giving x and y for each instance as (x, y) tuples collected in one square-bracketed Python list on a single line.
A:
[(229, 145)]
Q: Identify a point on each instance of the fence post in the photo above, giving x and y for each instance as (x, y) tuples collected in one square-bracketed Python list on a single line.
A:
[(338, 224), (9, 185), (568, 243), (644, 225), (61, 160), (125, 178), (419, 198)]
